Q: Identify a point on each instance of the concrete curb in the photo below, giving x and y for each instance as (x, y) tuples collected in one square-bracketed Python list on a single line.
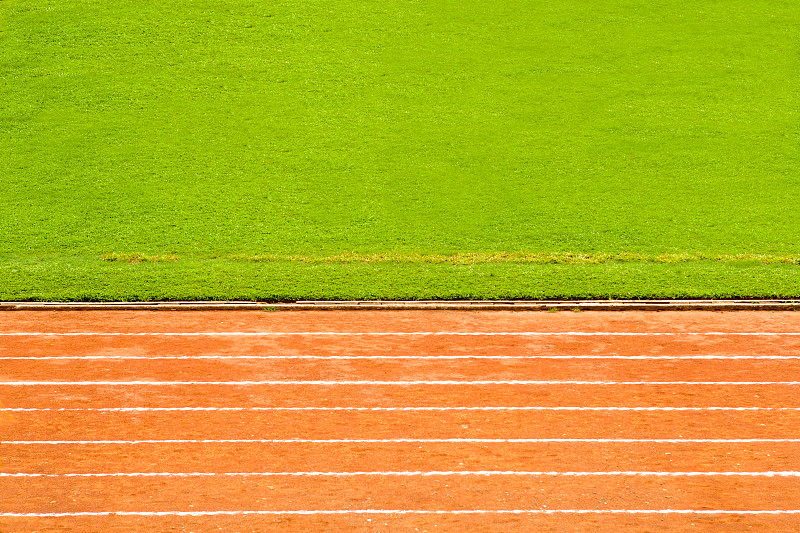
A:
[(452, 305)]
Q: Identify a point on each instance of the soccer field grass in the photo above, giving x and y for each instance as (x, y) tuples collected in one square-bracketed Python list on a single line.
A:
[(344, 149)]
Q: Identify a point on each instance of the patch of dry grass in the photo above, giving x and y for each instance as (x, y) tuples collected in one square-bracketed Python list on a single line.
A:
[(140, 258), (562, 258)]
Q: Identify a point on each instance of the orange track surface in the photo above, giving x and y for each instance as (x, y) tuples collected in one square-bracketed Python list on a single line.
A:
[(577, 432)]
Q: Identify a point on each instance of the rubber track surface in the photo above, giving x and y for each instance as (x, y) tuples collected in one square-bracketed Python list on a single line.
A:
[(122, 421)]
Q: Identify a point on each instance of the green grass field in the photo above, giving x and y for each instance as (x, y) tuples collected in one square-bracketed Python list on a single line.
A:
[(338, 149)]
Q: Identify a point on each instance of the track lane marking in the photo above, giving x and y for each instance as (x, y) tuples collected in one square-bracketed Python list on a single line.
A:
[(395, 333), (409, 440), (411, 473), (379, 409), (410, 512), (402, 357), (385, 383)]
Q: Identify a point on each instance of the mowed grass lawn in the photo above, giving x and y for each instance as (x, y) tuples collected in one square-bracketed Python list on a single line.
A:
[(338, 149)]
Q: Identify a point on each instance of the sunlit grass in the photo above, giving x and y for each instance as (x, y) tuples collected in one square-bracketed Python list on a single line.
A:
[(514, 137)]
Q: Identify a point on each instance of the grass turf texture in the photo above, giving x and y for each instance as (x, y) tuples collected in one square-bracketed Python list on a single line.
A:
[(401, 149)]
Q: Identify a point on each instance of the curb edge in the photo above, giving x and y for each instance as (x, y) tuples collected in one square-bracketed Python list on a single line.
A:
[(438, 305)]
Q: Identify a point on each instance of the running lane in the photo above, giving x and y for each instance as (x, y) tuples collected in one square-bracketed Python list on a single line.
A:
[(399, 421)]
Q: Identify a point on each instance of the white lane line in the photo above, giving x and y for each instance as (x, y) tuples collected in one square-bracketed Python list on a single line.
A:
[(456, 408), (382, 383), (401, 357), (409, 441), (412, 512), (395, 334), (412, 473)]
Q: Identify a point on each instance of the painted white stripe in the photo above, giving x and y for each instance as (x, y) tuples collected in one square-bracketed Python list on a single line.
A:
[(412, 512), (407, 441), (396, 334), (402, 357), (378, 382), (486, 408), (410, 473)]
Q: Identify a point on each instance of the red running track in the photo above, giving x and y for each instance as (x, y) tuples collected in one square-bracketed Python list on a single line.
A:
[(399, 421)]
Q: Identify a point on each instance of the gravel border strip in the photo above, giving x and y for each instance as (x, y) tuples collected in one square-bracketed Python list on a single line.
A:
[(453, 305)]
